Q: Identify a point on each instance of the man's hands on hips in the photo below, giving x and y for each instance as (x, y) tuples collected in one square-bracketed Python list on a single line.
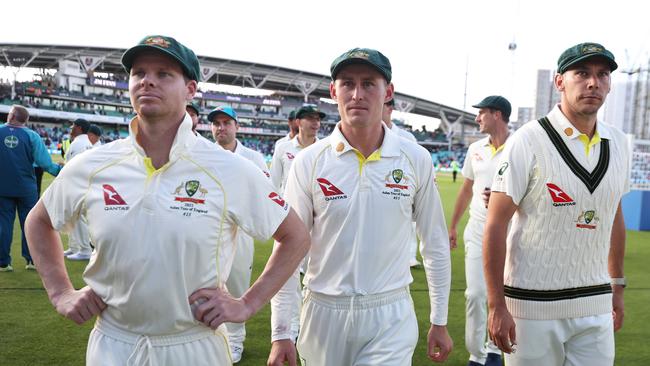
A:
[(215, 306), (78, 305), (439, 343)]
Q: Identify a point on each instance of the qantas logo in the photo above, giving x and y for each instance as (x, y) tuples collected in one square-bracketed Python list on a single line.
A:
[(559, 197), (277, 199), (290, 156), (113, 200), (330, 191), (111, 197)]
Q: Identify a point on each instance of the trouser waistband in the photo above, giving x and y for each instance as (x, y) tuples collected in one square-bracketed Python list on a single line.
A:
[(359, 301), (190, 335)]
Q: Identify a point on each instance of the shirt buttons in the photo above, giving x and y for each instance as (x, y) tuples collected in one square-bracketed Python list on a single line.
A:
[(340, 147), (568, 131)]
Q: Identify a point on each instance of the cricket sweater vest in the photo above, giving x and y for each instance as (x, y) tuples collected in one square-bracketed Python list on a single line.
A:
[(556, 266)]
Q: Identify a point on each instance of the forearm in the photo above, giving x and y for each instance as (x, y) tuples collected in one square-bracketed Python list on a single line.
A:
[(46, 250), (617, 246), (494, 257), (437, 266), (462, 201), (292, 246), (282, 308)]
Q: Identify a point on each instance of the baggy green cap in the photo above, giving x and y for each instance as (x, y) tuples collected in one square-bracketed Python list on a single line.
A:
[(498, 103), (169, 46), (308, 109), (583, 51), (366, 56)]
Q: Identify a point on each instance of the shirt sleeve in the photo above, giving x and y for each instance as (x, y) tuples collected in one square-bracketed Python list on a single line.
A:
[(276, 167), (42, 157), (284, 303), (434, 242), (515, 168), (64, 198), (468, 171), (253, 203), (258, 160)]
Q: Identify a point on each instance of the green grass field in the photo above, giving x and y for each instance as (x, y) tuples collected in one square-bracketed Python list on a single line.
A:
[(32, 333)]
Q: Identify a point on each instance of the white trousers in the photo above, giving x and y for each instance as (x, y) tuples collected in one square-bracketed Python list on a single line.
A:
[(565, 342), (476, 339), (239, 280), (79, 238), (110, 346), (367, 330)]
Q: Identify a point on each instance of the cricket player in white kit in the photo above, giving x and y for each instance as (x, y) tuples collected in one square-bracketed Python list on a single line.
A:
[(479, 169), (78, 238), (358, 191), (387, 119), (163, 207), (555, 285), (308, 119), (224, 129)]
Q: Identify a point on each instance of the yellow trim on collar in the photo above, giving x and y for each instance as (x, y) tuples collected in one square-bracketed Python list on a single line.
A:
[(151, 170), (589, 143), (363, 160), (496, 150)]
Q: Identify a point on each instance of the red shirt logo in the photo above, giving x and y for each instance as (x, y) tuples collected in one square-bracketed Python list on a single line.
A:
[(290, 156), (328, 188), (559, 197), (277, 199), (111, 197)]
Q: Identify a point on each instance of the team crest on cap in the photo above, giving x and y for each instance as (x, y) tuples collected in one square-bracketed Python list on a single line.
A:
[(591, 48), (157, 41), (587, 220), (359, 54)]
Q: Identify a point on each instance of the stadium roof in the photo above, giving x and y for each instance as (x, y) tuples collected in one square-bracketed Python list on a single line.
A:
[(232, 72)]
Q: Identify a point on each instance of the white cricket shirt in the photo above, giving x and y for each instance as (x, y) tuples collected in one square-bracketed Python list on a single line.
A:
[(359, 212), (80, 144), (283, 156), (161, 234), (480, 165)]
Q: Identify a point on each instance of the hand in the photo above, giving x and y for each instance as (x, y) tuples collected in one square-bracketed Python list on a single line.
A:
[(282, 351), (453, 238), (501, 329), (216, 306), (78, 305), (486, 196), (617, 307), (440, 343)]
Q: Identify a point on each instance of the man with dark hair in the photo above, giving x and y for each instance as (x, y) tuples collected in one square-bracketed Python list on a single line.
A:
[(20, 149), (94, 135), (308, 119), (224, 130), (79, 248), (555, 281), (195, 114), (358, 190), (164, 206), (479, 168), (293, 129)]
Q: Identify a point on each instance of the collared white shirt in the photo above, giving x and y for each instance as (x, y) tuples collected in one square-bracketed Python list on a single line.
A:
[(80, 144), (282, 139), (283, 156), (161, 234), (359, 211), (523, 161), (253, 156), (481, 162), (403, 133)]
